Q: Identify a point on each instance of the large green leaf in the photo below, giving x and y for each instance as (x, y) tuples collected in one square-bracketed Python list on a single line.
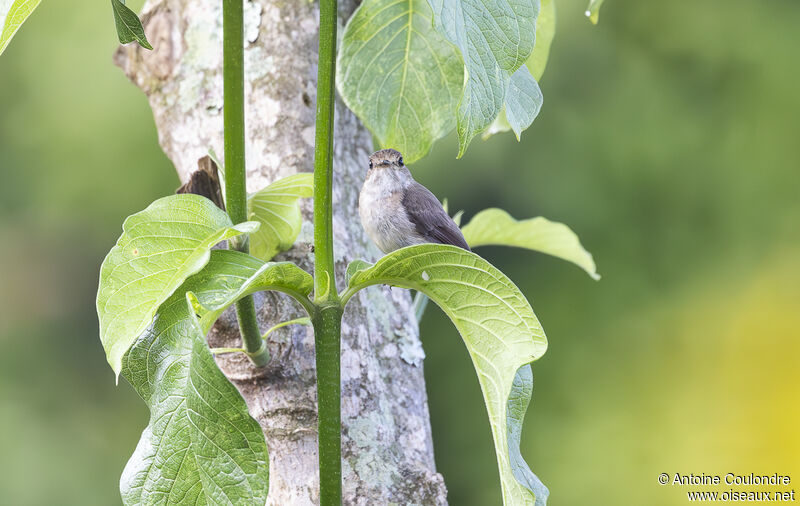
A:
[(12, 14), (497, 227), (129, 26), (496, 323), (495, 39), (201, 445), (158, 249), (277, 209), (545, 31), (399, 75)]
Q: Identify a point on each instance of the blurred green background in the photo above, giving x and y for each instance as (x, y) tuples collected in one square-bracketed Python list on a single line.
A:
[(668, 141)]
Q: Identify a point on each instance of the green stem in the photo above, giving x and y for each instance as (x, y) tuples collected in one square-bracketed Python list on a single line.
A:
[(298, 321), (235, 182), (324, 276), (327, 331), (233, 112), (219, 351), (255, 347), (327, 320)]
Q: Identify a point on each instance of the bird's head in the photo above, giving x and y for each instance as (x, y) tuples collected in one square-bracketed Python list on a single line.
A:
[(386, 159)]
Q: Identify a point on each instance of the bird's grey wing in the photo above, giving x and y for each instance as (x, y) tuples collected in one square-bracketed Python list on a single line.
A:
[(430, 219)]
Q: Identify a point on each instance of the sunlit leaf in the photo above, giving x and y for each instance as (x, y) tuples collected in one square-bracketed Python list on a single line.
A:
[(12, 14), (495, 39), (129, 26), (201, 445), (399, 75), (545, 31), (593, 11), (158, 249), (497, 325), (277, 209), (497, 227)]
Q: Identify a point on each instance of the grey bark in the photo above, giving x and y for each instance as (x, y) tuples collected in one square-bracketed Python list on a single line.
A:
[(387, 449)]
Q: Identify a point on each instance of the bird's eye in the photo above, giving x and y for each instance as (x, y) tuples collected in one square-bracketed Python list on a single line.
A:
[(370, 164), (400, 161)]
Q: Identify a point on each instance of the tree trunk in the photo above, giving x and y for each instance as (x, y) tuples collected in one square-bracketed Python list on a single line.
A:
[(386, 447)]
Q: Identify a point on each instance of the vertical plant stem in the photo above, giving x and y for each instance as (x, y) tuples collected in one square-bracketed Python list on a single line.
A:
[(327, 330), (324, 280), (328, 319), (233, 111), (235, 182)]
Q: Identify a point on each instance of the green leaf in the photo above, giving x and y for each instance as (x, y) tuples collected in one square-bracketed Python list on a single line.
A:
[(593, 11), (497, 227), (500, 124), (523, 100), (277, 208), (158, 249), (129, 26), (231, 275), (545, 31), (523, 103), (12, 14), (495, 39), (201, 445), (518, 401), (354, 267), (495, 321), (399, 75)]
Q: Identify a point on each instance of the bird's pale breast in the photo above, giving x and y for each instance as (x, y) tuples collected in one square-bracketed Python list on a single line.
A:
[(383, 216)]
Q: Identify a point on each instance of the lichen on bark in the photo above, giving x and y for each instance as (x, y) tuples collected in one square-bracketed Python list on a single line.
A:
[(387, 449)]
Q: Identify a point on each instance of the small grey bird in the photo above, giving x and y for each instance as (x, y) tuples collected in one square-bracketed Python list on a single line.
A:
[(396, 211)]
